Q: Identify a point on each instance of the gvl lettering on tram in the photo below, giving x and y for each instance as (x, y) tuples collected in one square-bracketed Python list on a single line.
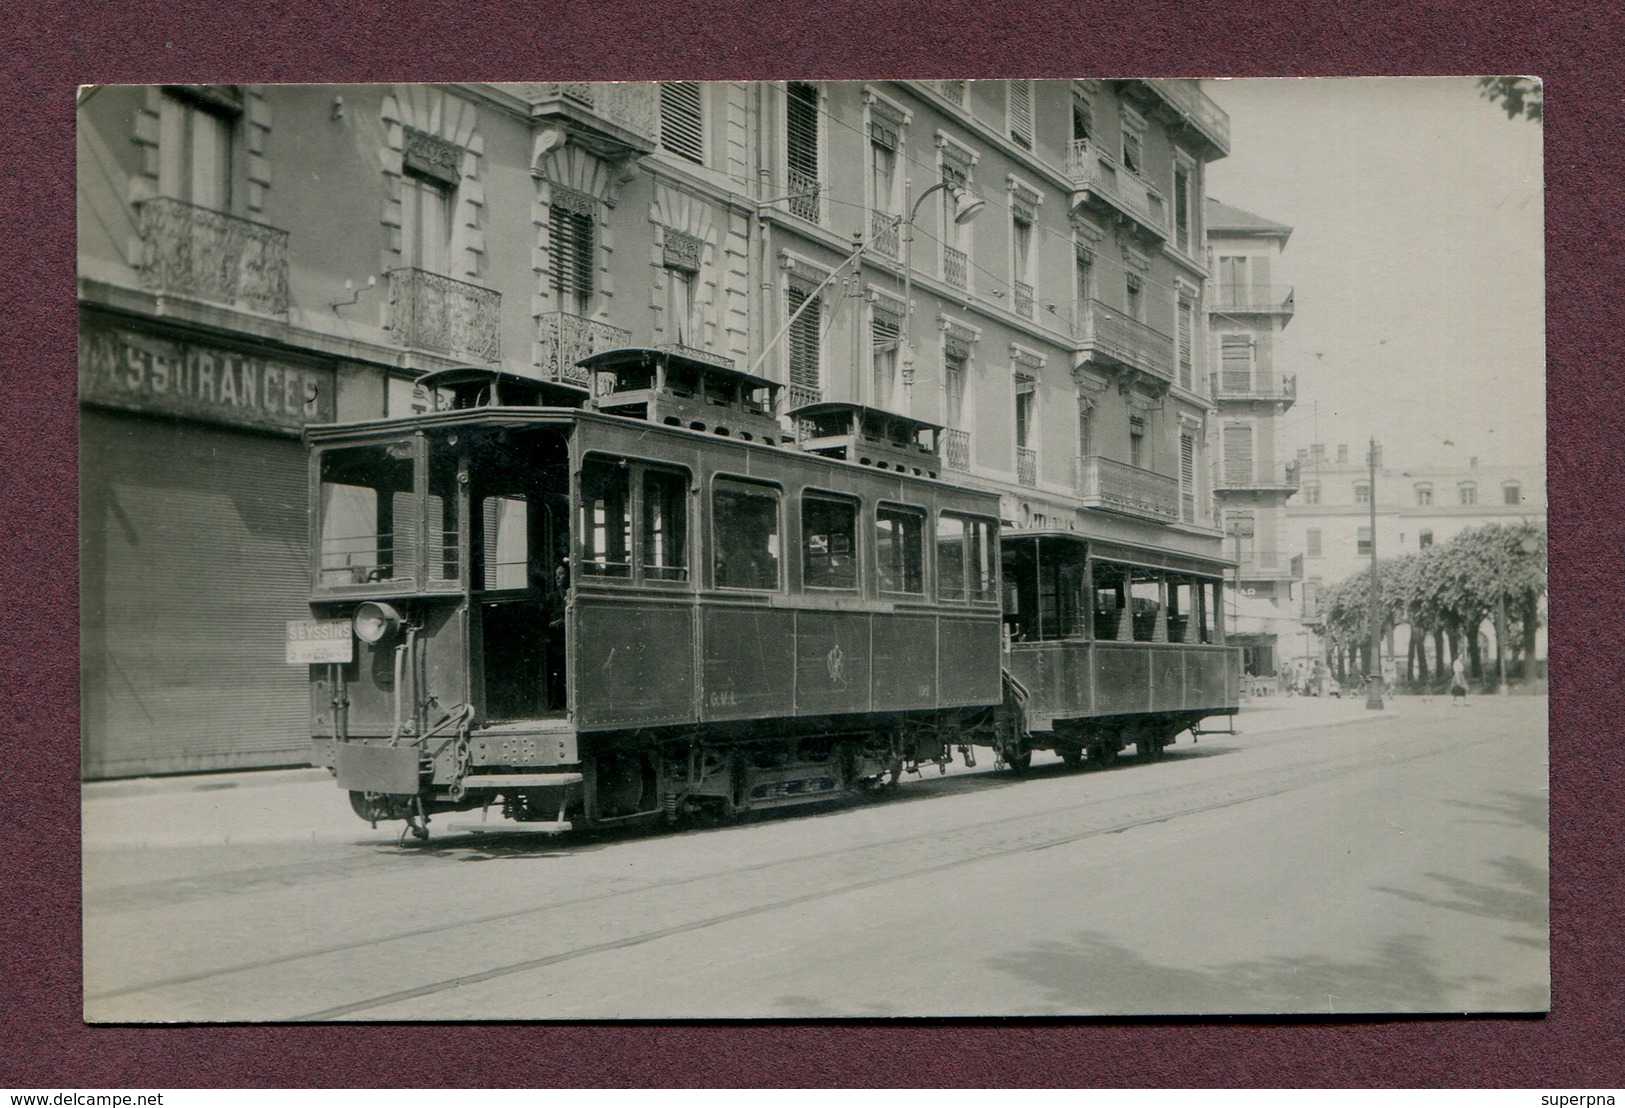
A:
[(646, 599)]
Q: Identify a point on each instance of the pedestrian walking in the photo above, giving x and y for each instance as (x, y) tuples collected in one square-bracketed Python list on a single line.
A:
[(1458, 683)]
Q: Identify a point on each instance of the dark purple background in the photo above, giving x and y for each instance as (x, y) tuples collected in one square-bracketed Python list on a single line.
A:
[(50, 47)]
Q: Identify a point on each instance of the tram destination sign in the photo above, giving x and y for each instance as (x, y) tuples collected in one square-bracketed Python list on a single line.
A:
[(312, 641), (134, 370)]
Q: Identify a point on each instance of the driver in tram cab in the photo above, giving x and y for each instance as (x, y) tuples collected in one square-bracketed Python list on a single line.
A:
[(556, 597)]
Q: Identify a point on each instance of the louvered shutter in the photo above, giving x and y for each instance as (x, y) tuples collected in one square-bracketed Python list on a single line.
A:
[(1187, 478), (1236, 358), (1186, 372), (1238, 455), (801, 119), (1021, 113), (681, 124), (804, 352), (572, 257)]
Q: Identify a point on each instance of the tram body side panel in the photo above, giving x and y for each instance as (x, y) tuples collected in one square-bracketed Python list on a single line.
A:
[(634, 661), (1075, 679)]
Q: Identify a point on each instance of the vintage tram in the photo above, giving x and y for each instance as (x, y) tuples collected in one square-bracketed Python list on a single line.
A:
[(589, 606)]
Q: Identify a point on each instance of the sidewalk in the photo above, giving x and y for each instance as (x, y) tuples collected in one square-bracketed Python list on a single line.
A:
[(286, 807)]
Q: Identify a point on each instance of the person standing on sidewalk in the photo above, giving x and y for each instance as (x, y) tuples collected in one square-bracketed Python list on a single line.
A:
[(1458, 682)]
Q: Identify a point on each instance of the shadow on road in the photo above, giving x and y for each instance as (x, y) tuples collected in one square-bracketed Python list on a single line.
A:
[(1522, 898), (1090, 974)]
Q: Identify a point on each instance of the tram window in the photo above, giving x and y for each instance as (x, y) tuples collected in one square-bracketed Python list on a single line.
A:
[(442, 517), (900, 549), (829, 545), (1180, 599), (606, 525), (1146, 590), (1111, 602), (507, 541), (745, 535), (665, 525), (965, 552), (367, 517), (1210, 610)]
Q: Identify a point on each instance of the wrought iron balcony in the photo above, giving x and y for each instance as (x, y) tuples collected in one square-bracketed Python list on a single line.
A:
[(956, 267), (191, 251), (883, 237), (1273, 387), (956, 449), (1253, 299), (1119, 487), (611, 118), (804, 194), (1104, 333), (1267, 565), (1097, 179), (433, 312), (1026, 465), (563, 339), (1023, 300), (1196, 109), (1260, 477)]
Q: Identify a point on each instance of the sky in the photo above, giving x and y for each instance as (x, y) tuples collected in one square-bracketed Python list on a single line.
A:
[(1416, 258)]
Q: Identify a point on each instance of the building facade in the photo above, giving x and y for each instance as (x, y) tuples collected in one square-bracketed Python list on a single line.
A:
[(256, 258), (1247, 309), (1416, 507)]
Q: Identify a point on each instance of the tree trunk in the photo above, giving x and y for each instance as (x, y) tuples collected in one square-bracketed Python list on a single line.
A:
[(1440, 665), (1531, 620), (1475, 664)]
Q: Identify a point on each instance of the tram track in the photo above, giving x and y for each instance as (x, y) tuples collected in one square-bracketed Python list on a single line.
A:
[(677, 906)]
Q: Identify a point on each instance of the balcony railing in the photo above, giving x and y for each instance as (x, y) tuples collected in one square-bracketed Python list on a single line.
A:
[(1255, 386), (883, 232), (618, 115), (1267, 564), (956, 449), (563, 339), (804, 189), (1026, 465), (1024, 299), (1120, 487), (953, 92), (430, 311), (796, 396), (1197, 107), (1258, 476), (1105, 332), (956, 267), (1095, 172), (1270, 299), (697, 353), (191, 251)]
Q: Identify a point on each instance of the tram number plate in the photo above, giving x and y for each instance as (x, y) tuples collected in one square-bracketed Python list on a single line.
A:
[(319, 640)]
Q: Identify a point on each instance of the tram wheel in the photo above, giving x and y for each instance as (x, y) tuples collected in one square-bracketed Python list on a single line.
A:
[(1019, 760), (1072, 756), (1106, 756)]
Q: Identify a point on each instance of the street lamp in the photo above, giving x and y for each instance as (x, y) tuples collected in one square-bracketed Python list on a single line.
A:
[(966, 208)]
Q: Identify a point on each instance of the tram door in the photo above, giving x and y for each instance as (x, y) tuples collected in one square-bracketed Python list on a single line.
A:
[(520, 532)]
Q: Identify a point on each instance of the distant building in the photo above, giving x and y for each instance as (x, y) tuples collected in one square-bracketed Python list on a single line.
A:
[(253, 258), (1247, 309), (1417, 507)]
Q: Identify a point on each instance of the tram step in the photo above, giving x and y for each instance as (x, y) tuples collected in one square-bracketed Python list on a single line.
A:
[(513, 827), (520, 780)]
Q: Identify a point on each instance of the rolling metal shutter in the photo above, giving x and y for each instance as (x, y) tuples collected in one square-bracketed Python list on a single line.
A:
[(193, 554)]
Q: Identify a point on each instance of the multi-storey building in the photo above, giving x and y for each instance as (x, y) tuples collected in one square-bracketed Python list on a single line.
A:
[(254, 258), (1247, 310), (1416, 507)]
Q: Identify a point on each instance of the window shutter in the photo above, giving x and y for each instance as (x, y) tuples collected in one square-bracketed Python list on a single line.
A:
[(1238, 455), (1187, 478), (572, 254), (681, 125), (1186, 371), (801, 120), (804, 353), (1021, 113), (1236, 357)]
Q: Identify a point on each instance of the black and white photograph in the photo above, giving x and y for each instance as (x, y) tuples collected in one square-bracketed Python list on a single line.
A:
[(812, 550)]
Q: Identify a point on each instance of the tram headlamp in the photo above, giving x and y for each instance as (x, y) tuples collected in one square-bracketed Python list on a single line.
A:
[(375, 622)]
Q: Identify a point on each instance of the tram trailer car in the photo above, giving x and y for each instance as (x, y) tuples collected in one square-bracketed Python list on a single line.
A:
[(648, 601)]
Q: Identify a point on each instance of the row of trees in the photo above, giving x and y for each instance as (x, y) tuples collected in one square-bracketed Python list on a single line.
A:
[(1446, 593)]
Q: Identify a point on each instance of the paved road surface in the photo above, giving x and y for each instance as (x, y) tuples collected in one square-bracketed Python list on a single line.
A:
[(1387, 865)]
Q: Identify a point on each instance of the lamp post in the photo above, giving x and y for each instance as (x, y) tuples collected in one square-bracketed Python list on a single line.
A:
[(966, 208), (1373, 677)]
